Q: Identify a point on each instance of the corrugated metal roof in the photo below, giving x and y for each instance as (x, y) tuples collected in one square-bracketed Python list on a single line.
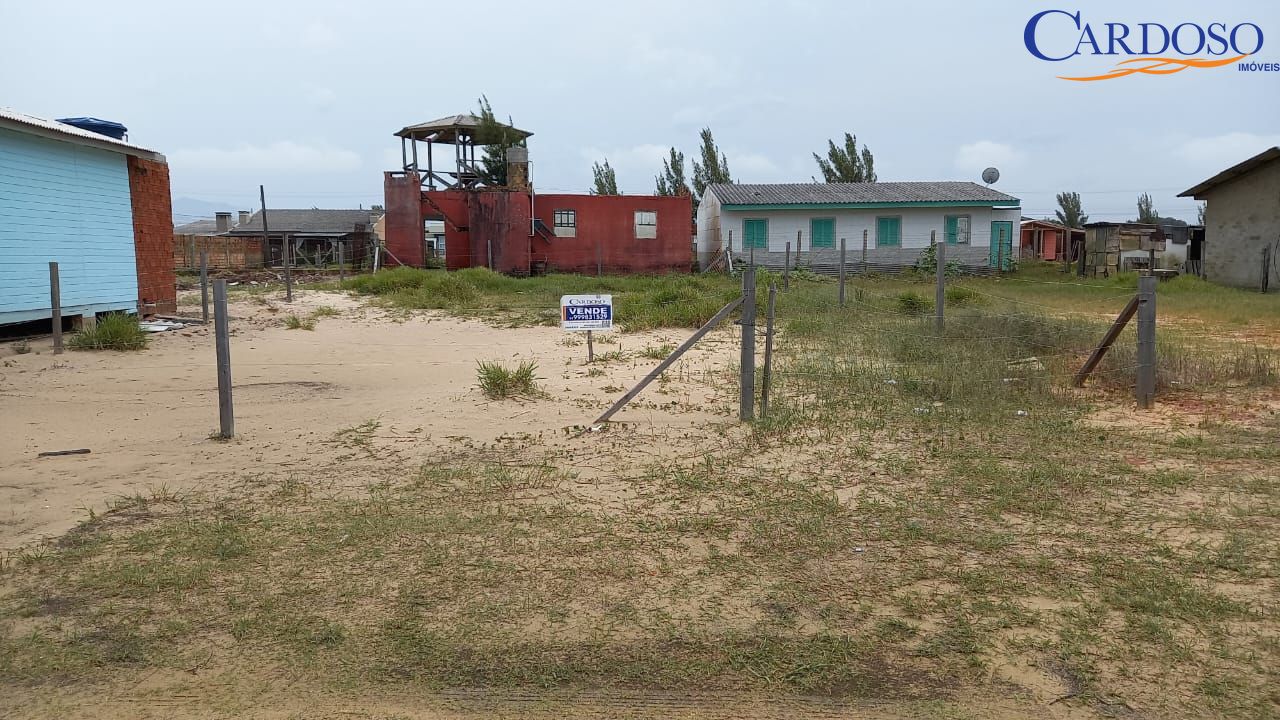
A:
[(446, 128), (71, 133), (857, 193), (312, 222)]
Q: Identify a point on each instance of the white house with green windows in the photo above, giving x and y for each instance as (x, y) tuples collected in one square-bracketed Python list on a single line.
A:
[(896, 220)]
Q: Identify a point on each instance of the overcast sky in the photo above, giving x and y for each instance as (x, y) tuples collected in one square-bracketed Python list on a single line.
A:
[(304, 96)]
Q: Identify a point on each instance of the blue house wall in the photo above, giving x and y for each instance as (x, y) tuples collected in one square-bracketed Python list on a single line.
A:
[(68, 203)]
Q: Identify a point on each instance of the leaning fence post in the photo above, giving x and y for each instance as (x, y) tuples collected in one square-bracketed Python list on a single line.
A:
[(204, 287), (940, 294), (55, 304), (747, 382), (1146, 384), (222, 344), (786, 268), (842, 272), (766, 380)]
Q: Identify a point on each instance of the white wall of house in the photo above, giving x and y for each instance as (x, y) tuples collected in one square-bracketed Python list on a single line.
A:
[(715, 223)]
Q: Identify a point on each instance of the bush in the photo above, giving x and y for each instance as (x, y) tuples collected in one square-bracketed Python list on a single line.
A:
[(927, 263), (959, 296), (912, 303), (117, 331), (497, 381)]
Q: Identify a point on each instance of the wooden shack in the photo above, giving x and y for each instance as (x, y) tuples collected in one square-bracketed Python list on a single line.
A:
[(1112, 247)]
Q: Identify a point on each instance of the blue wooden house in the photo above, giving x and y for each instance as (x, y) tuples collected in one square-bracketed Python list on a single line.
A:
[(97, 205)]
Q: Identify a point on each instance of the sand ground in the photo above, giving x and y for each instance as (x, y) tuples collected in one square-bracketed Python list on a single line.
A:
[(406, 381)]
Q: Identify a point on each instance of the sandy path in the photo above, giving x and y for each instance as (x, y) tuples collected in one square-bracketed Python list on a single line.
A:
[(148, 416)]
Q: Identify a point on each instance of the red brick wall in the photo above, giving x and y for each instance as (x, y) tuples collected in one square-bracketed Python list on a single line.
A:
[(606, 233), (403, 224), (153, 235)]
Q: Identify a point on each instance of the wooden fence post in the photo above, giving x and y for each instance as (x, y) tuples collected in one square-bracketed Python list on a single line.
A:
[(940, 293), (766, 381), (747, 378), (842, 272), (55, 303), (204, 287), (222, 343), (864, 252), (786, 268)]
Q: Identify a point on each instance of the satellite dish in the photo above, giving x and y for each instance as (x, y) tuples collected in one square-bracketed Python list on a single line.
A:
[(990, 175)]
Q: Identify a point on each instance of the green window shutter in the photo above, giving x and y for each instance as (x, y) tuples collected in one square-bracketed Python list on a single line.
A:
[(888, 232), (822, 232), (950, 228)]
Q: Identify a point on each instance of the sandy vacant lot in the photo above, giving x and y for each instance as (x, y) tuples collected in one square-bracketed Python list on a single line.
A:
[(363, 383)]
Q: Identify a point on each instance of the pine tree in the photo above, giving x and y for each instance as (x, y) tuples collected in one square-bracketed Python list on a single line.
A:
[(1147, 210), (846, 164), (712, 169), (496, 138), (671, 181), (1070, 213), (605, 182)]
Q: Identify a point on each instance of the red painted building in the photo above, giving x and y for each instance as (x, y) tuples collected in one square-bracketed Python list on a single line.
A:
[(512, 229), (524, 233)]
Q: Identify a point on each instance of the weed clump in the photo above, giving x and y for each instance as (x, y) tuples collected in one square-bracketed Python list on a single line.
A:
[(293, 322), (497, 381), (117, 331), (912, 303)]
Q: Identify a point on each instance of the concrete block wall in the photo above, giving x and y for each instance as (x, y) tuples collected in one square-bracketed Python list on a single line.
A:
[(1241, 218), (152, 235)]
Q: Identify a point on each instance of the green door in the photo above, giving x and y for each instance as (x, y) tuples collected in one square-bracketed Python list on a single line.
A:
[(822, 232), (755, 233), (950, 227), (888, 231), (1001, 235)]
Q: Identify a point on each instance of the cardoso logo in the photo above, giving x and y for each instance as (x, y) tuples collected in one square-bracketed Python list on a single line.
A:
[(1150, 48)]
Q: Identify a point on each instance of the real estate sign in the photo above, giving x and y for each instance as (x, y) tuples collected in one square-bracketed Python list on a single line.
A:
[(586, 312)]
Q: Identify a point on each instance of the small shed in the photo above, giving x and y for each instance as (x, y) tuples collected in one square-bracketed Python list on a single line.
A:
[(1112, 247)]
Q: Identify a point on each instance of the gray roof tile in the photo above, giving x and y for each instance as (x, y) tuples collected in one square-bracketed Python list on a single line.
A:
[(318, 222), (854, 193)]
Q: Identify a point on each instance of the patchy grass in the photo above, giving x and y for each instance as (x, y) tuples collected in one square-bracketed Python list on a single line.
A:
[(497, 381), (293, 322), (919, 510), (114, 331)]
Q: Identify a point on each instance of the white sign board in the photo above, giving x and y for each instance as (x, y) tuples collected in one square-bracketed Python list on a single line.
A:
[(586, 312)]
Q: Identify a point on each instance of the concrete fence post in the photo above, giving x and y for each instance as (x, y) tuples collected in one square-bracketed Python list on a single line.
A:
[(747, 380), (1145, 387)]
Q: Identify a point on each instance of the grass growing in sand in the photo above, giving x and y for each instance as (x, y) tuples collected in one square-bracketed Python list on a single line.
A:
[(497, 381), (919, 512), (115, 331)]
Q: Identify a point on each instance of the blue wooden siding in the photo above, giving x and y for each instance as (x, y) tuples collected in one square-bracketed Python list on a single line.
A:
[(69, 203)]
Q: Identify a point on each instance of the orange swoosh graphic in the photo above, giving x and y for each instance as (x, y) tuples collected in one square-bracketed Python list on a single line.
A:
[(1156, 66)]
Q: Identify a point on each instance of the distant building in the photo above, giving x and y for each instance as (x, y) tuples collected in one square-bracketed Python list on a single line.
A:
[(897, 219), (513, 229), (95, 204), (1242, 222), (313, 235), (1049, 240)]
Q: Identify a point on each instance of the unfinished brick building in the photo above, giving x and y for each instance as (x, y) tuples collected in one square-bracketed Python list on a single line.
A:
[(511, 229)]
